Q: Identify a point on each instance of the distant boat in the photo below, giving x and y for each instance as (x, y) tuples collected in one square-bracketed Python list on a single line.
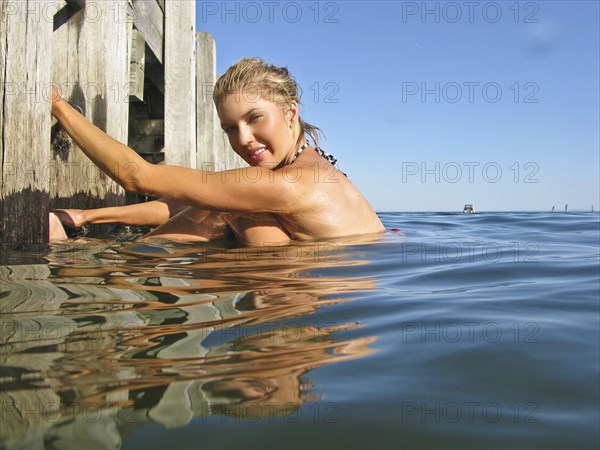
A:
[(468, 209)]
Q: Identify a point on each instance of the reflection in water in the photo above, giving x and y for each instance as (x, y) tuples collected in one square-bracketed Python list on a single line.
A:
[(106, 338)]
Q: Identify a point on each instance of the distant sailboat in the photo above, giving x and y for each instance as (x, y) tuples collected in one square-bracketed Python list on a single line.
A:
[(553, 209), (567, 207)]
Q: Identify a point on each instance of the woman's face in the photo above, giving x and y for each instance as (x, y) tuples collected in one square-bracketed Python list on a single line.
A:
[(258, 130)]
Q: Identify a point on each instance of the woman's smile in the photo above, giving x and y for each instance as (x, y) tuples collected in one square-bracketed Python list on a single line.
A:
[(257, 153)]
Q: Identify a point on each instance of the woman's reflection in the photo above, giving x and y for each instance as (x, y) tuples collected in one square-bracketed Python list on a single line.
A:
[(164, 338)]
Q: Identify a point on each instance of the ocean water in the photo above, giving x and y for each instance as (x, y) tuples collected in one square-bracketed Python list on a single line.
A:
[(459, 331)]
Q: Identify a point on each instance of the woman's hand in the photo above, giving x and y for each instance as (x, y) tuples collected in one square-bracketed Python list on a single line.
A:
[(56, 97)]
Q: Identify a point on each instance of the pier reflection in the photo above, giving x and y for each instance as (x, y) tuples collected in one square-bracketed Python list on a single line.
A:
[(106, 338)]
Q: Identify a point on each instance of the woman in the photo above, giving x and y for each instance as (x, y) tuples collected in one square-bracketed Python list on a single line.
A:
[(290, 191)]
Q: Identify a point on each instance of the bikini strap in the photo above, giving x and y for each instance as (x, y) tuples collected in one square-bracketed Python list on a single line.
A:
[(329, 157), (300, 150)]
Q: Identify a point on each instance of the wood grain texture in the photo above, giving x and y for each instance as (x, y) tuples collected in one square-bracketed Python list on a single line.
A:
[(148, 18), (95, 78), (24, 122), (207, 119), (180, 83), (137, 61), (214, 151), (3, 39)]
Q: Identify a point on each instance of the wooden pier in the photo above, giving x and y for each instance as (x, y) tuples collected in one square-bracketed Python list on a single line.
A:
[(136, 68)]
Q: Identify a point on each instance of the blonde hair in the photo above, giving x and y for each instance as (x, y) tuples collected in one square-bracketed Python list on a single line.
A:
[(269, 82)]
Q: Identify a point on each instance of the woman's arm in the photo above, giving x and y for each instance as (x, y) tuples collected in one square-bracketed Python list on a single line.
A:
[(114, 159), (150, 214), (253, 189)]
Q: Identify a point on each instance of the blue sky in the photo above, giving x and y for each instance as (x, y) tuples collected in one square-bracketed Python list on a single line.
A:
[(431, 105)]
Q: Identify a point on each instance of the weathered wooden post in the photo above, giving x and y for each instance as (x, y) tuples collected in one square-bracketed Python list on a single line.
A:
[(213, 150), (207, 119), (24, 122), (102, 54), (90, 64), (180, 83)]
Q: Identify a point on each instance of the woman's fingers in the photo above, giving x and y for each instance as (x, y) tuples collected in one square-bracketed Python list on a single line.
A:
[(56, 95)]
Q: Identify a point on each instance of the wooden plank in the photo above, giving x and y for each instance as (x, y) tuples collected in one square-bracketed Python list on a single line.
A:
[(136, 66), (129, 30), (207, 120), (180, 83), (149, 19), (3, 38), (213, 150), (90, 65), (25, 131), (4, 245)]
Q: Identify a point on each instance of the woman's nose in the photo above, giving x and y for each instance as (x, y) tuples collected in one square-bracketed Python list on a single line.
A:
[(245, 136)]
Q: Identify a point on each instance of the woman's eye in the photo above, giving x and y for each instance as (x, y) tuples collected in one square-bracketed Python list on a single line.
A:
[(255, 117)]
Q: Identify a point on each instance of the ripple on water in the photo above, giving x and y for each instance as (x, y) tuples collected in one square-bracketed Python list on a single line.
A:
[(461, 330)]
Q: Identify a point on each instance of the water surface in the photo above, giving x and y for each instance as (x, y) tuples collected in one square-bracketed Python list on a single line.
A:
[(460, 331)]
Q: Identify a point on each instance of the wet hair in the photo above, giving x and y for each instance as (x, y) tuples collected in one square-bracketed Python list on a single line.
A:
[(255, 78)]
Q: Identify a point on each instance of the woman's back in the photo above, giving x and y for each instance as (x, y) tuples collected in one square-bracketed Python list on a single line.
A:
[(329, 204)]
